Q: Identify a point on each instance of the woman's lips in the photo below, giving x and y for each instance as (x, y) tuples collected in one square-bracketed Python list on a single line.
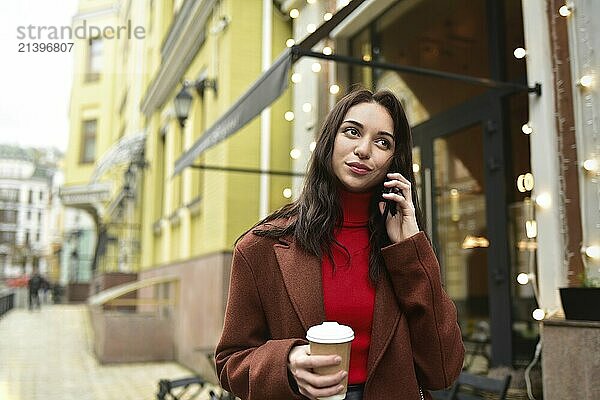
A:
[(358, 170)]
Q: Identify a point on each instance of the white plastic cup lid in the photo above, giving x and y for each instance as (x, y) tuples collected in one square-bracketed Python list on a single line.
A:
[(330, 332)]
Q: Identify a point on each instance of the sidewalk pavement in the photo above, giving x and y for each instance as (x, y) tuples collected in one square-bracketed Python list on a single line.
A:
[(48, 355)]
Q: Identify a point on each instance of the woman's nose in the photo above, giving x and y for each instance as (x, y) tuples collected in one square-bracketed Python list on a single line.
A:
[(362, 150)]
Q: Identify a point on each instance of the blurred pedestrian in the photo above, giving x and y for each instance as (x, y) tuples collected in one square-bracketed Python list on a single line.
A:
[(34, 285), (350, 250)]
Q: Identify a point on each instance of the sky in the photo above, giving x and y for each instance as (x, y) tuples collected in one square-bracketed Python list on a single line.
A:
[(34, 87)]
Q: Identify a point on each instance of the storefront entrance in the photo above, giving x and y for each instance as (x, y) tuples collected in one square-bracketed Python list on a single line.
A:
[(470, 153)]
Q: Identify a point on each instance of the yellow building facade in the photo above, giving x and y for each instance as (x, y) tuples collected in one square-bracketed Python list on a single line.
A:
[(151, 222)]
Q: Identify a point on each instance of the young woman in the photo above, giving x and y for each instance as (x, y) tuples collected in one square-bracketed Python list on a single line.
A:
[(337, 254)]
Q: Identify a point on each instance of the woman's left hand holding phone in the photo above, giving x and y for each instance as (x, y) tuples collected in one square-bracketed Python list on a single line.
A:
[(404, 224)]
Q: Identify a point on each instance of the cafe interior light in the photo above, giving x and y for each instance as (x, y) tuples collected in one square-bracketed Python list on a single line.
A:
[(519, 52), (296, 77), (416, 168), (327, 50), (334, 89), (290, 42), (312, 146), (289, 116), (295, 153), (310, 28), (294, 13), (311, 1), (287, 193), (316, 67), (327, 16), (307, 107)]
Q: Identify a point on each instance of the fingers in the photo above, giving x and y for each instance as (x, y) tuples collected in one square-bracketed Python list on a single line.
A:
[(310, 384)]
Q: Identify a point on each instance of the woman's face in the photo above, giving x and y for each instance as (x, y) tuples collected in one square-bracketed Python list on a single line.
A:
[(363, 147)]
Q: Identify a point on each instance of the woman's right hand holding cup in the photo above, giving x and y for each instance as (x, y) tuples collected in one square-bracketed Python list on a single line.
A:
[(310, 384)]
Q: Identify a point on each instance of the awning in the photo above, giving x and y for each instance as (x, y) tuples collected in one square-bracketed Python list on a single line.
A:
[(127, 150), (265, 90)]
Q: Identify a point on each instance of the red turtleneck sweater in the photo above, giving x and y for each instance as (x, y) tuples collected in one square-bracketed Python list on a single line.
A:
[(348, 295)]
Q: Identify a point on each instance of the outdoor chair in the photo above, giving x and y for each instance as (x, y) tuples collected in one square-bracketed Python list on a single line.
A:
[(180, 389), (475, 387)]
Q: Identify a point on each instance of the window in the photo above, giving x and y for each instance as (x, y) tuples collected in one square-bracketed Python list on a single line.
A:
[(8, 217), (8, 237), (30, 197), (40, 217), (41, 196), (94, 64), (88, 143)]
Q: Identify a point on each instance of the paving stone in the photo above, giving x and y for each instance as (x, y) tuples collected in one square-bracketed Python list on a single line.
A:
[(47, 355)]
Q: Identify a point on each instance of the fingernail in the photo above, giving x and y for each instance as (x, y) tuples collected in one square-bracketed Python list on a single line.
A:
[(338, 360)]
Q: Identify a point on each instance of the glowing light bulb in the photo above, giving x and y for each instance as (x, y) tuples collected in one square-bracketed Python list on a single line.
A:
[(307, 107), (523, 278), (344, 3), (565, 11), (316, 67), (296, 77), (538, 314), (367, 57), (327, 50), (586, 81), (312, 146), (295, 154), (310, 28), (544, 200), (531, 229), (310, 1), (290, 42), (327, 16), (287, 193), (416, 168), (294, 13), (334, 89), (527, 129), (593, 252), (520, 52), (289, 116), (591, 165)]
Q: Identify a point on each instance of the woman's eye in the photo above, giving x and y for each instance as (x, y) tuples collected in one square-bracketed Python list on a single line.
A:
[(351, 131), (384, 143)]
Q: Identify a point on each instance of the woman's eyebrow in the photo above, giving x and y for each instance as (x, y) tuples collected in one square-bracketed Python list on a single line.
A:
[(361, 126)]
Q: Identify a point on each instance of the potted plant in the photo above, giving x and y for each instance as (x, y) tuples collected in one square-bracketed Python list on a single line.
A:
[(581, 302)]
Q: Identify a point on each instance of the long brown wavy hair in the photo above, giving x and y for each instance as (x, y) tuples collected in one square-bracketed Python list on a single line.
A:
[(317, 212)]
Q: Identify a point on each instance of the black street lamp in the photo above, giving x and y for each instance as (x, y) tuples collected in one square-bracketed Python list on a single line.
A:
[(183, 103)]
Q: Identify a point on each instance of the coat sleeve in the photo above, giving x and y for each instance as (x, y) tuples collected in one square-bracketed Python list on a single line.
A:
[(250, 364), (436, 339)]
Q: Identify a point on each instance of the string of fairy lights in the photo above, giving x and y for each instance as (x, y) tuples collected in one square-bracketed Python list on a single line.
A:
[(585, 82), (316, 67)]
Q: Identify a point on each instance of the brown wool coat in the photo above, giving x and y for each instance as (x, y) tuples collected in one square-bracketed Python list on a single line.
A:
[(275, 295)]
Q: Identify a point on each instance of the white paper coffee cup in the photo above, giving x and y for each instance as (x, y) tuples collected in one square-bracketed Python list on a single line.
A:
[(327, 339)]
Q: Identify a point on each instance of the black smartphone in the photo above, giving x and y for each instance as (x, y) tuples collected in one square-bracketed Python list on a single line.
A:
[(390, 205)]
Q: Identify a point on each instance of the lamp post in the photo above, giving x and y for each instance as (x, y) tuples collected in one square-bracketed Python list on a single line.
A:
[(183, 103)]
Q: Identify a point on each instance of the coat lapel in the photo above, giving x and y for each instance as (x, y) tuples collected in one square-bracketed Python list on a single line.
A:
[(386, 315), (301, 273)]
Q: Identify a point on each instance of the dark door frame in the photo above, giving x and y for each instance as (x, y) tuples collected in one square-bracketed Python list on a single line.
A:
[(487, 111)]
